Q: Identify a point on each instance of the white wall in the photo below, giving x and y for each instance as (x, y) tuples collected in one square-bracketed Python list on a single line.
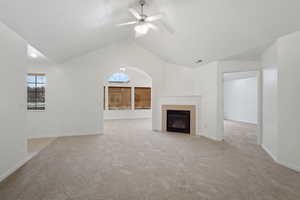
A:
[(240, 100), (137, 79), (289, 100), (206, 85), (178, 80), (127, 114), (12, 101), (281, 100), (270, 99), (47, 123)]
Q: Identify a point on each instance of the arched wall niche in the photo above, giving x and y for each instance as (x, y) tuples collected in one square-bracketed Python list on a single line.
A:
[(136, 78)]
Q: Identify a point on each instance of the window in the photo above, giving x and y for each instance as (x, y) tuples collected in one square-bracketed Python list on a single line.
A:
[(142, 98), (119, 98), (119, 78), (36, 91)]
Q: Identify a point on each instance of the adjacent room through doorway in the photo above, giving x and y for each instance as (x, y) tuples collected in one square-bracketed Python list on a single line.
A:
[(241, 108)]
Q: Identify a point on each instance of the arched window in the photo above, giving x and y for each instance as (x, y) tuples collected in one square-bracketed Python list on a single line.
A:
[(119, 78)]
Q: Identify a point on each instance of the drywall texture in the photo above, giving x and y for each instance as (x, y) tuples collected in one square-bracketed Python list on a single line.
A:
[(12, 101), (178, 80), (270, 99), (289, 100), (206, 85), (281, 82), (240, 100)]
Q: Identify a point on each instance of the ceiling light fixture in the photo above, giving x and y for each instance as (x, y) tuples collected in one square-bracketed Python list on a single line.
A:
[(142, 28), (33, 55)]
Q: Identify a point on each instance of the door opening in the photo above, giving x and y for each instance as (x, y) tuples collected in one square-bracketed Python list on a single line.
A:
[(241, 108)]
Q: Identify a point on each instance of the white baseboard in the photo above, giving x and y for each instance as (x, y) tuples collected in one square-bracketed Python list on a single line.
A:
[(288, 165), (212, 138), (202, 134), (125, 118), (17, 166), (64, 135), (269, 153), (242, 121)]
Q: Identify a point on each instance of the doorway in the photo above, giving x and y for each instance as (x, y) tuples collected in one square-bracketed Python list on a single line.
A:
[(241, 109)]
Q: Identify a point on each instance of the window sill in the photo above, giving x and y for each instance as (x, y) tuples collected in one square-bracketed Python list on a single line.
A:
[(36, 110), (145, 109)]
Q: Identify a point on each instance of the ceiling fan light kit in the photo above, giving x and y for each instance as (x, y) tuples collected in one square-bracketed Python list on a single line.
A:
[(142, 28)]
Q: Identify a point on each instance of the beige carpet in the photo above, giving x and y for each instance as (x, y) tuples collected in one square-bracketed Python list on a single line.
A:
[(130, 162), (37, 145)]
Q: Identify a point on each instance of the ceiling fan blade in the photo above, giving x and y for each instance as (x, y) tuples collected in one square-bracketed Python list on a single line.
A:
[(135, 13), (154, 18), (152, 26), (127, 23)]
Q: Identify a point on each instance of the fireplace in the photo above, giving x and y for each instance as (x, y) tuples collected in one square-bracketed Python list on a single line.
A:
[(174, 111), (179, 121)]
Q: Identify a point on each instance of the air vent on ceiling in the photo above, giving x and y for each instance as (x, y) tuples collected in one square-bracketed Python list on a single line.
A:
[(199, 61)]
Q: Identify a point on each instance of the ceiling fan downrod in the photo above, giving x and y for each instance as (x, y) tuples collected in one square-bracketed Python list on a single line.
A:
[(142, 3)]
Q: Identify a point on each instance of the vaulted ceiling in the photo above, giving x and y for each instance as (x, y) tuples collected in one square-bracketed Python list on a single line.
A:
[(203, 29)]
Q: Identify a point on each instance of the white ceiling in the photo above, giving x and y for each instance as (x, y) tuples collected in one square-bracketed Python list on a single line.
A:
[(204, 29), (251, 54)]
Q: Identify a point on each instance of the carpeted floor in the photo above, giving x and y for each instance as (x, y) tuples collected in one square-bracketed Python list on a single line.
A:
[(130, 162)]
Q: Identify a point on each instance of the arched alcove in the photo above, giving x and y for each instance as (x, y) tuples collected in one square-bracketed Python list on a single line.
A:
[(126, 94)]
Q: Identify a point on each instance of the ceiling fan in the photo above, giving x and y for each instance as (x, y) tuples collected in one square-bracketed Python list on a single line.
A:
[(143, 23)]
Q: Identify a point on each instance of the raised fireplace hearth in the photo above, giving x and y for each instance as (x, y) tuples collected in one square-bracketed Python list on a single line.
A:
[(179, 121), (179, 118)]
